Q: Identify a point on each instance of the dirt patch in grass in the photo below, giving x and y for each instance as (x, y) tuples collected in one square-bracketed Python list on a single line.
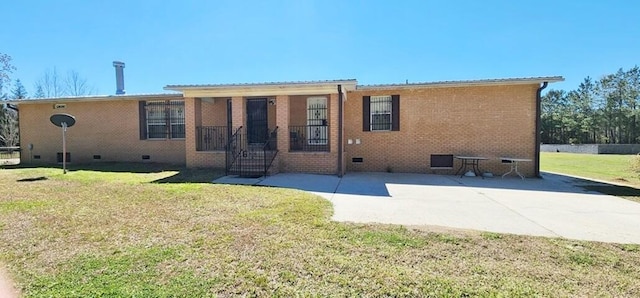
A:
[(100, 233)]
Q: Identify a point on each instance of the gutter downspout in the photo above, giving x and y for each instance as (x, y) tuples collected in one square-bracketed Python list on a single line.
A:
[(538, 128), (340, 132)]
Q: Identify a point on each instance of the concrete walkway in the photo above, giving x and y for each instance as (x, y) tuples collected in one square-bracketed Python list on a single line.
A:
[(553, 206)]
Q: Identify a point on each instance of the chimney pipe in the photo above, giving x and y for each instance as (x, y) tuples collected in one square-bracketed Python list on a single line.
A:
[(119, 77)]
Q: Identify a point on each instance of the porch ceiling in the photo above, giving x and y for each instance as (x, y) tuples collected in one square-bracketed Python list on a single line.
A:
[(264, 89)]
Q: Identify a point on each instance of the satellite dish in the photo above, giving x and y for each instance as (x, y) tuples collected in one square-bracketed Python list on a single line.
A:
[(58, 119), (64, 121)]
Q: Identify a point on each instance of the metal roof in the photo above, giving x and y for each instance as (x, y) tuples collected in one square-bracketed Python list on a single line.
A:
[(95, 98), (293, 84), (262, 84), (507, 81)]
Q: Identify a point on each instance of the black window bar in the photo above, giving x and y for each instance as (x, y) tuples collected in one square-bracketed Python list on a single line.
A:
[(309, 138), (165, 119), (315, 135), (380, 113)]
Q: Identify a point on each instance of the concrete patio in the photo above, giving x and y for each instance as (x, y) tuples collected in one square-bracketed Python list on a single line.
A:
[(554, 206)]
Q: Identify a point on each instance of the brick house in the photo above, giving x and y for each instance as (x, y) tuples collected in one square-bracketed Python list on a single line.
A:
[(328, 127)]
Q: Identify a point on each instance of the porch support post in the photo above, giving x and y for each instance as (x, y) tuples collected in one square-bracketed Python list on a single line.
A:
[(191, 117), (282, 121), (238, 111), (333, 123)]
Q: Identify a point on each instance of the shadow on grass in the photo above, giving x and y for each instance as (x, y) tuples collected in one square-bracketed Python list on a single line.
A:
[(193, 176), (116, 167), (183, 175), (122, 167), (626, 192), (41, 178)]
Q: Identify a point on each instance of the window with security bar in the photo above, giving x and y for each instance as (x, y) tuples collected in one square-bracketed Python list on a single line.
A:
[(176, 119), (317, 133), (381, 108), (165, 119)]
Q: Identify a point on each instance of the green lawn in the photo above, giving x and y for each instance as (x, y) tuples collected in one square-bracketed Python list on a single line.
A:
[(608, 167), (155, 233)]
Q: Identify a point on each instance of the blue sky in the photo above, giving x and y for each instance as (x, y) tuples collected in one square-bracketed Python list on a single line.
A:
[(200, 42)]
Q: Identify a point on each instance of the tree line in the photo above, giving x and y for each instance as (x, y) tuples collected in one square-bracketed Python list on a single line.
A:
[(50, 84), (603, 111)]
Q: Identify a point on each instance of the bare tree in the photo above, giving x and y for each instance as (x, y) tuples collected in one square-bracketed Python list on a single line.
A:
[(76, 85), (5, 69), (9, 136), (8, 117), (51, 84)]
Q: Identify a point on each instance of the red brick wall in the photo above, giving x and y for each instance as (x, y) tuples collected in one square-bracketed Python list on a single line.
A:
[(106, 128), (214, 112), (294, 108), (298, 110), (206, 112), (489, 121)]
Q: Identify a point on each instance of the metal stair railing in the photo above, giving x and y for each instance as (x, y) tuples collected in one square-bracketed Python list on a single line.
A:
[(232, 152), (270, 150)]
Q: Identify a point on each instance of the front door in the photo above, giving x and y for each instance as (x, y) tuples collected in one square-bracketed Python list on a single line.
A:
[(257, 125)]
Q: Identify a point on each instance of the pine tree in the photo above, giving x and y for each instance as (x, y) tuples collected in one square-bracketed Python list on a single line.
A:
[(18, 91), (39, 92)]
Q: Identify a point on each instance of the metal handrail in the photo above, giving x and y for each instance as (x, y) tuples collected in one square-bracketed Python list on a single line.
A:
[(230, 151), (249, 159), (267, 164)]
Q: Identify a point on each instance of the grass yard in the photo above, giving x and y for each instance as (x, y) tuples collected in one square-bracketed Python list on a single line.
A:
[(108, 232), (605, 167), (608, 167)]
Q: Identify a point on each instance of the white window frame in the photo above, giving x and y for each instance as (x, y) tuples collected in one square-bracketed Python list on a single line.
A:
[(377, 108)]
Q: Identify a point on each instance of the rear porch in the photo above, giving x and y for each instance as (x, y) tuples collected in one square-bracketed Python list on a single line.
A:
[(256, 131)]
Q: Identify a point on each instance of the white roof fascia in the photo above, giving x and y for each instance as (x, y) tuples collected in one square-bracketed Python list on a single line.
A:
[(264, 89), (490, 82), (93, 98)]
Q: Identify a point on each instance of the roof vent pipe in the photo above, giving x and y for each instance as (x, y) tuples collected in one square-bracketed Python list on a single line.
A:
[(119, 77)]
